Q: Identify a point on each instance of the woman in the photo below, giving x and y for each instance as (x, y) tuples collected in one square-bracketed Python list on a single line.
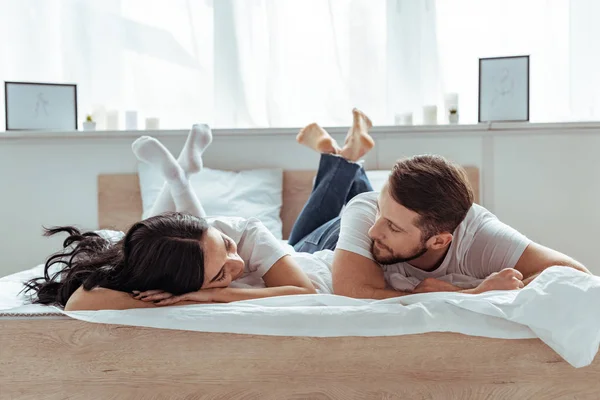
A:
[(180, 257)]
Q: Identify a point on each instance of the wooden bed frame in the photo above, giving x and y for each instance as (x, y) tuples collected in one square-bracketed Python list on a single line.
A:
[(120, 202), (61, 357)]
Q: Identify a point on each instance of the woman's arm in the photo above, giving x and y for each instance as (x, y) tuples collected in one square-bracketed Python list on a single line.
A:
[(103, 299), (227, 295), (107, 299), (284, 278)]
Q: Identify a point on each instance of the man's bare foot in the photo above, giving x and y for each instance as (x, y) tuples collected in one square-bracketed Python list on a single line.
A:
[(318, 139), (358, 141)]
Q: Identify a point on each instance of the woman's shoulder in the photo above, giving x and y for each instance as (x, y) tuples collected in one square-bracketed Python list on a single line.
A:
[(234, 224), (225, 219), (102, 299), (82, 299), (237, 224)]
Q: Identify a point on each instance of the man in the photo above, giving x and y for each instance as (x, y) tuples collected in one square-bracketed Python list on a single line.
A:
[(421, 233)]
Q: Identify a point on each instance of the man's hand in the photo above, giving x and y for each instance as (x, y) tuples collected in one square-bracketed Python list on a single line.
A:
[(429, 285), (507, 279)]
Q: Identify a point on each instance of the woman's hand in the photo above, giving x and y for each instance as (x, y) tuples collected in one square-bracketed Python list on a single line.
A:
[(162, 298)]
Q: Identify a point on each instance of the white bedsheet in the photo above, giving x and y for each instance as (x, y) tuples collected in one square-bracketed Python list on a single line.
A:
[(561, 307)]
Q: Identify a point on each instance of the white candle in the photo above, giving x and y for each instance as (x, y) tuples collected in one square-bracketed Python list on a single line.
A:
[(112, 120), (131, 119), (99, 116), (404, 119), (152, 124), (451, 104), (430, 115)]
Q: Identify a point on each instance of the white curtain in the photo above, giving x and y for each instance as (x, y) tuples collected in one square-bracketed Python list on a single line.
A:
[(293, 61), (584, 57), (275, 63), (153, 56), (286, 63), (413, 67), (562, 38)]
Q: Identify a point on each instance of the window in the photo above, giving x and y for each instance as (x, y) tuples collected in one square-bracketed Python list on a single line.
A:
[(270, 63)]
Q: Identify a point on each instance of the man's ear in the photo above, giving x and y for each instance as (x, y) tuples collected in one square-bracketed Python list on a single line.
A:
[(439, 241)]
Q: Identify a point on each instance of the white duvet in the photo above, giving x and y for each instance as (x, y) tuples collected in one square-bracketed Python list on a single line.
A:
[(561, 307)]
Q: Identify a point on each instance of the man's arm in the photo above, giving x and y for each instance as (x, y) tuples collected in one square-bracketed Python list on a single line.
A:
[(359, 277), (354, 272), (537, 258)]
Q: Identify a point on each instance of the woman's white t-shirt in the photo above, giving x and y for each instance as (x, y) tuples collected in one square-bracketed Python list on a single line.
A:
[(260, 250)]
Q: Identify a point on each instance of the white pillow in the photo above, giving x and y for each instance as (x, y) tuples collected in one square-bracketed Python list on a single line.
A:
[(251, 193), (378, 178)]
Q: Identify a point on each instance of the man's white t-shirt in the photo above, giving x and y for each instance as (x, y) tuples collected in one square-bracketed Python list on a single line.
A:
[(481, 245), (260, 250)]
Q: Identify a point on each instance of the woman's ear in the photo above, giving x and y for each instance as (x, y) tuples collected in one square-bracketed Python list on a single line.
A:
[(439, 241)]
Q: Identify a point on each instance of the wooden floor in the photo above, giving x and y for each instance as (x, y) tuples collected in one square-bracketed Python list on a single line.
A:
[(57, 359)]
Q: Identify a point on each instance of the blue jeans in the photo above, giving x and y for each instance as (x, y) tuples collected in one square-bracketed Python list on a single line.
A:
[(318, 225)]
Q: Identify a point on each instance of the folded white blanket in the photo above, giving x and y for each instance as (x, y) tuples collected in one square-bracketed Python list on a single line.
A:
[(561, 307)]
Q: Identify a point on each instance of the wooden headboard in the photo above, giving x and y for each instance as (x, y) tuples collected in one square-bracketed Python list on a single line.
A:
[(120, 202)]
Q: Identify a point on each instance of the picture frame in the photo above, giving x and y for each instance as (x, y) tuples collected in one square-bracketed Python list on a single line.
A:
[(40, 106), (504, 89)]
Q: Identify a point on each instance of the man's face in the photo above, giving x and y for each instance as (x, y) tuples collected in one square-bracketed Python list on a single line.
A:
[(395, 236)]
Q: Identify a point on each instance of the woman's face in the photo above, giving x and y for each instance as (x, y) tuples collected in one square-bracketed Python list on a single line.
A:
[(222, 264)]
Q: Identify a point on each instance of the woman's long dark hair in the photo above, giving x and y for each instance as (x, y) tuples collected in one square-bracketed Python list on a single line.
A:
[(162, 252)]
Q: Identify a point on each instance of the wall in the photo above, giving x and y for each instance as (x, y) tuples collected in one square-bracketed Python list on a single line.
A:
[(543, 179)]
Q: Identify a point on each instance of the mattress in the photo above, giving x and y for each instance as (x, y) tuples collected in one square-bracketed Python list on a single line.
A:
[(555, 308), (15, 304)]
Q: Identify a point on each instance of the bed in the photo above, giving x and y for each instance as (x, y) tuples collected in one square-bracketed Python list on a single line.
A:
[(53, 356)]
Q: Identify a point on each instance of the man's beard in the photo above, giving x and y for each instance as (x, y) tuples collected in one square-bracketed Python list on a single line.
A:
[(396, 258)]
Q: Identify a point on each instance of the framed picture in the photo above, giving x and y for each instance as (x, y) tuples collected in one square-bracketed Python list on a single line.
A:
[(40, 106), (504, 89)]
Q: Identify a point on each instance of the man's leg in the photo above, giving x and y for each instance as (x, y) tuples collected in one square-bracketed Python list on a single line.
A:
[(324, 237), (335, 178), (327, 235), (361, 184), (339, 179)]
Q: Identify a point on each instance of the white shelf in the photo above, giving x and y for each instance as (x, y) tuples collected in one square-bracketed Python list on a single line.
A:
[(483, 129)]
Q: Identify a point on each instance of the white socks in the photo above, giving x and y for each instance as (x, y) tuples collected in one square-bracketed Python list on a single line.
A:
[(190, 158), (151, 151), (176, 194)]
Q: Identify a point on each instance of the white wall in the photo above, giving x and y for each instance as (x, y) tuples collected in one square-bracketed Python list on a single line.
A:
[(542, 179)]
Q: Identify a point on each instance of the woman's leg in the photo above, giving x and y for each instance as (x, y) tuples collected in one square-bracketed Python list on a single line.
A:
[(150, 150), (190, 160), (339, 178)]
